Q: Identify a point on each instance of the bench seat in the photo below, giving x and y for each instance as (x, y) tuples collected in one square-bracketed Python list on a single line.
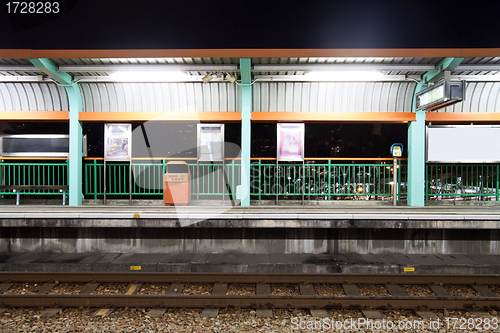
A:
[(20, 188)]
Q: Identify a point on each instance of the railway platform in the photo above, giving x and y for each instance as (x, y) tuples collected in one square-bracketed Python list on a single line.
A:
[(258, 239)]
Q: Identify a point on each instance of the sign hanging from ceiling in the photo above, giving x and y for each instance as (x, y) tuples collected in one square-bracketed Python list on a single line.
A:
[(440, 95)]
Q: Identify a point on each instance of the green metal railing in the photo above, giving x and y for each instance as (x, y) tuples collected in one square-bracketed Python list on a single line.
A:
[(316, 180), (208, 179), (462, 181), (325, 181), (38, 173)]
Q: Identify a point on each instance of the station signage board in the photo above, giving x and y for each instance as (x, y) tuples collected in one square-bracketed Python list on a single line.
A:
[(290, 142), (440, 95), (117, 142), (210, 142)]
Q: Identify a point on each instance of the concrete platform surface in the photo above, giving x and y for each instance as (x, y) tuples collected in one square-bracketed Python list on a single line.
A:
[(339, 209), (251, 263), (348, 216)]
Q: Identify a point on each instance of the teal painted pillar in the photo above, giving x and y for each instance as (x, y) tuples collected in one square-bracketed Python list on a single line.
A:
[(416, 156), (417, 137), (75, 145), (246, 112), (75, 128)]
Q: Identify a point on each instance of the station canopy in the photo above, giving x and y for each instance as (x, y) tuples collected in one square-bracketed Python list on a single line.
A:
[(267, 65)]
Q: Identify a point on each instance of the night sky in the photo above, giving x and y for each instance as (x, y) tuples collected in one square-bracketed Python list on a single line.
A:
[(118, 24)]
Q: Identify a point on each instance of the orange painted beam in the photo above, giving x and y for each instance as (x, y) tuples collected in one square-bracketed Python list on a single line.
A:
[(249, 53), (34, 115), (388, 117), (459, 117), (157, 116), (15, 53)]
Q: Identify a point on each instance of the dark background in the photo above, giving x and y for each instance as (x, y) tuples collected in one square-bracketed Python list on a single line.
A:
[(146, 24), (321, 139)]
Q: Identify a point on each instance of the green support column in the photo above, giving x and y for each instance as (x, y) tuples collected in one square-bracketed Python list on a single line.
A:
[(75, 145), (416, 136), (246, 111), (416, 161), (75, 128)]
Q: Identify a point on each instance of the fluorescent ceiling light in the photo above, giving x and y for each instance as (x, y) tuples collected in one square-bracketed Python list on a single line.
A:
[(344, 76), (160, 76), (9, 78)]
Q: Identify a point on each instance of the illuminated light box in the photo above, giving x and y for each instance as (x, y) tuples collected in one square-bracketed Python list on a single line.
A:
[(34, 145), (463, 144)]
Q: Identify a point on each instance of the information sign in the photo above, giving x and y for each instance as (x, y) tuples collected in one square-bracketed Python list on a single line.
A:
[(118, 142), (210, 142), (290, 142)]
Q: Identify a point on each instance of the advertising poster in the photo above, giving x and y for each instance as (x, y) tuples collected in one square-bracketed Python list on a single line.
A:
[(210, 142), (291, 142), (118, 142)]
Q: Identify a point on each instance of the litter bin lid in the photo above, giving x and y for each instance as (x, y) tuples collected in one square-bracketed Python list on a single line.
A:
[(177, 167)]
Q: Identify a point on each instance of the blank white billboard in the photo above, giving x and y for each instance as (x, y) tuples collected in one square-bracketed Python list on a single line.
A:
[(463, 144)]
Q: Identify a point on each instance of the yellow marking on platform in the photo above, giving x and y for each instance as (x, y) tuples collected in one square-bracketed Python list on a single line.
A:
[(132, 289), (135, 268), (137, 215), (409, 269)]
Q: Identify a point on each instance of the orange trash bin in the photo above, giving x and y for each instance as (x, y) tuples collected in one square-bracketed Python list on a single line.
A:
[(177, 184)]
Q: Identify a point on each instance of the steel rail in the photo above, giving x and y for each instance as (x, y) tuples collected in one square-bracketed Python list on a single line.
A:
[(249, 278), (197, 301)]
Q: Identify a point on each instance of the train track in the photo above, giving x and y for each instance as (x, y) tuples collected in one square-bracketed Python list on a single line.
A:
[(263, 299)]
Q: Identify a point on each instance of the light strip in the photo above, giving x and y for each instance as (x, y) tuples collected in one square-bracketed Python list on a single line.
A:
[(145, 68), (479, 67), (187, 78), (476, 78), (6, 78), (346, 67), (306, 78)]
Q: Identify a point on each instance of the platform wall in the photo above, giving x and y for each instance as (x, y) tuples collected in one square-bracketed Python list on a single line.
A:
[(250, 240)]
